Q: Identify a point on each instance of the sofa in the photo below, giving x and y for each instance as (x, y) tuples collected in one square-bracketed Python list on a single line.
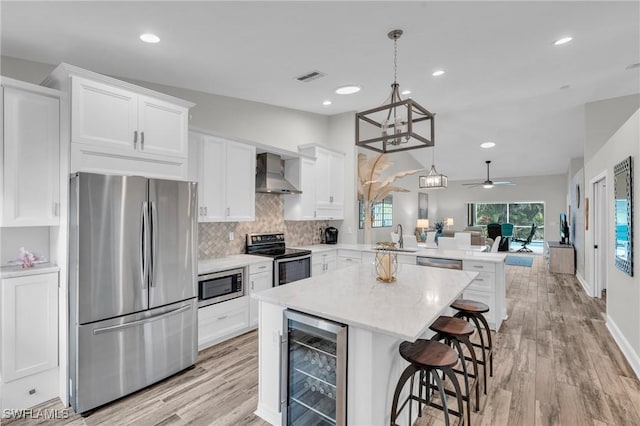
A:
[(477, 235)]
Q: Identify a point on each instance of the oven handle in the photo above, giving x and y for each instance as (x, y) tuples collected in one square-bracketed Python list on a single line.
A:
[(290, 259)]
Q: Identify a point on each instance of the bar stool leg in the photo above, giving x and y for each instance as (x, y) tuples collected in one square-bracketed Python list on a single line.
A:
[(468, 317), (474, 360), (466, 378), (440, 385), (406, 375), (488, 331)]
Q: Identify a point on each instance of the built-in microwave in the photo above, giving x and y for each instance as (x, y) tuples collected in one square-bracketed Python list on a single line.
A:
[(220, 286)]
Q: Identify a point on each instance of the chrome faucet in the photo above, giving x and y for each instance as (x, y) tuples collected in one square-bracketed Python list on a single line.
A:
[(400, 240)]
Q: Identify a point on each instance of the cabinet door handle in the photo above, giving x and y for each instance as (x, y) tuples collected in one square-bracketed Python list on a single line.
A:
[(135, 139), (349, 260), (206, 211), (479, 279), (315, 213), (222, 317), (142, 140), (478, 266), (56, 209), (263, 267), (251, 284), (228, 211), (331, 198)]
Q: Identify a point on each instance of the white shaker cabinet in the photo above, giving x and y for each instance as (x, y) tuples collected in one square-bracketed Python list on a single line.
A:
[(329, 178), (29, 340), (300, 172), (260, 278), (30, 155), (107, 116), (323, 262), (121, 128), (225, 172)]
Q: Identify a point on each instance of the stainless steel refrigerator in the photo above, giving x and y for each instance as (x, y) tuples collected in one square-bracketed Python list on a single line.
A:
[(132, 284)]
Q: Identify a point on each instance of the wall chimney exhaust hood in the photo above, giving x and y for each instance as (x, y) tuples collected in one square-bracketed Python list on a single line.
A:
[(270, 175)]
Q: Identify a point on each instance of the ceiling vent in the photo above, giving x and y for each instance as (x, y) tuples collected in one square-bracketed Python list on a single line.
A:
[(310, 76)]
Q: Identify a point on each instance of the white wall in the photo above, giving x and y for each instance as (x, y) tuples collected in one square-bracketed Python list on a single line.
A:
[(604, 118), (452, 201), (575, 178), (33, 239), (623, 291)]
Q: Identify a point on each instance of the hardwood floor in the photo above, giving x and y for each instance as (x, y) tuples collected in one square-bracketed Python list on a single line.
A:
[(555, 364)]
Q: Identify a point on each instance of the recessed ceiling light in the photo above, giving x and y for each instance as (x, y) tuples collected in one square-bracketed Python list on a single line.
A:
[(347, 90), (325, 103), (487, 145), (437, 73), (562, 40), (406, 92), (149, 38)]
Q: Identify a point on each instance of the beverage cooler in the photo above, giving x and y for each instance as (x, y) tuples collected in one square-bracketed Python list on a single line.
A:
[(314, 371)]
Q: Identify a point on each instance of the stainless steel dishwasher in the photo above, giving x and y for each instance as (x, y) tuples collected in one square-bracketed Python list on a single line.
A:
[(438, 262)]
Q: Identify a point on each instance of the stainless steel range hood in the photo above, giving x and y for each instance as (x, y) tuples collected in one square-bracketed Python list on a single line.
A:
[(270, 175)]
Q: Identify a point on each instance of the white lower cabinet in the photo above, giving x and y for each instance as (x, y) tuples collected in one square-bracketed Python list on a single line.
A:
[(349, 258), (488, 288), (260, 278), (323, 262), (222, 320), (29, 340)]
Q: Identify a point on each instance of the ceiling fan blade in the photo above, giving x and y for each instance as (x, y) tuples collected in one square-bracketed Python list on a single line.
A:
[(504, 183), (473, 185)]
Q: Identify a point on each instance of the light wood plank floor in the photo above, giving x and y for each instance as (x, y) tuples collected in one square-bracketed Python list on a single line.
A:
[(555, 364)]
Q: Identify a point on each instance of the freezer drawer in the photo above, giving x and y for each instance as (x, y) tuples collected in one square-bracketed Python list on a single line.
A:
[(121, 355)]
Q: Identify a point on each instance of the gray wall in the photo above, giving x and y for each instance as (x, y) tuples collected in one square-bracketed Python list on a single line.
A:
[(575, 179), (604, 118), (623, 291)]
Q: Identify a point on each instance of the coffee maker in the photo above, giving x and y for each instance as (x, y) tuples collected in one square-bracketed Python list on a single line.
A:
[(331, 235)]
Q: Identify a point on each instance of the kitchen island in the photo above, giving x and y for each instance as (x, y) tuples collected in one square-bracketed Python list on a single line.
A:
[(379, 316)]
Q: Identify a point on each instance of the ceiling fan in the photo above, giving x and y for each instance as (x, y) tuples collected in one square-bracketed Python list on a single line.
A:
[(487, 183)]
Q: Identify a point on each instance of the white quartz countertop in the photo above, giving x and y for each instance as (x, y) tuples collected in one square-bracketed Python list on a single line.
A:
[(19, 271), (230, 262), (353, 296), (419, 251)]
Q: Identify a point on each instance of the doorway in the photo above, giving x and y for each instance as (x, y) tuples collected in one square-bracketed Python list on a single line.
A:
[(600, 236)]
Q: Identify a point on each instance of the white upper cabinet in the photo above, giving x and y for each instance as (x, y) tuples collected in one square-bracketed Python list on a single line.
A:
[(109, 116), (163, 127), (225, 172), (121, 128), (103, 115), (30, 155), (329, 179), (301, 173)]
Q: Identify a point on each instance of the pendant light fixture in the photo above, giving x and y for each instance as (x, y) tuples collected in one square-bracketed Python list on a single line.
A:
[(433, 179), (399, 125)]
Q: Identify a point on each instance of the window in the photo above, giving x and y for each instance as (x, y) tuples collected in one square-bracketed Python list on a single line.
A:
[(521, 215), (381, 211)]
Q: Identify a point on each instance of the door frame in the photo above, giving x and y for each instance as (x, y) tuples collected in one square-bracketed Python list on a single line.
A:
[(597, 223)]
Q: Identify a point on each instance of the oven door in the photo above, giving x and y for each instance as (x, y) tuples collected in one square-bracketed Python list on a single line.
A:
[(291, 269)]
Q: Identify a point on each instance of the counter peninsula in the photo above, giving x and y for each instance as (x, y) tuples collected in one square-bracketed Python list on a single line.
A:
[(379, 317)]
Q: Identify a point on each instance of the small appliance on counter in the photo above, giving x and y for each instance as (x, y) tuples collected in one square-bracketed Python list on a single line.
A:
[(331, 235)]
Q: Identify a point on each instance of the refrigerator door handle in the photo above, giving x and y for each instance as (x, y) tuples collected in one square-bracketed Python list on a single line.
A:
[(144, 264), (142, 321), (154, 241)]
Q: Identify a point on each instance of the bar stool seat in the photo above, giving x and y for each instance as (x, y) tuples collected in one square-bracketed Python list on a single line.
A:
[(454, 331), (472, 310), (428, 358)]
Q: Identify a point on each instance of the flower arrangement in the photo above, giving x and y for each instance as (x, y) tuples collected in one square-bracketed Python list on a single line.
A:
[(439, 226)]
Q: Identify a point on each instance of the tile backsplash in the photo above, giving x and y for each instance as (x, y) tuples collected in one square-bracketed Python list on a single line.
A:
[(214, 236)]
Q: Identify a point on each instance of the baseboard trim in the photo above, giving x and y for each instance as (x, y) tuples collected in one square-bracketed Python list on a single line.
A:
[(624, 345), (583, 283), (267, 414)]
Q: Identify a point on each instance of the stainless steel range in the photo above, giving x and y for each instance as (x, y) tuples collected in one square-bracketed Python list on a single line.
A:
[(289, 264)]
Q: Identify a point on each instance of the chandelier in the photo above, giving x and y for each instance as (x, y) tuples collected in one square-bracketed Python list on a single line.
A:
[(433, 179), (399, 125)]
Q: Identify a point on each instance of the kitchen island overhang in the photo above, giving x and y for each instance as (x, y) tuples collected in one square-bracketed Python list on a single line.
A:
[(379, 317)]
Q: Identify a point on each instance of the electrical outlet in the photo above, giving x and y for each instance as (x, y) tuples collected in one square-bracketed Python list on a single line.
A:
[(231, 236)]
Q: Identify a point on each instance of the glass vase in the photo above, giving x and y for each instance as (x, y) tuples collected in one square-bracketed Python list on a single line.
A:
[(386, 265)]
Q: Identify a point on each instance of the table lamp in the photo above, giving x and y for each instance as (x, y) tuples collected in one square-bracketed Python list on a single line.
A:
[(423, 223), (449, 222)]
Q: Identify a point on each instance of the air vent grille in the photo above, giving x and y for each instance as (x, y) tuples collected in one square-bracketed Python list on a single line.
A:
[(310, 76)]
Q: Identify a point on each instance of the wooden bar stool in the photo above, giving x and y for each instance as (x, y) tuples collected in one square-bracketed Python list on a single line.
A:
[(472, 310), (429, 358), (454, 331)]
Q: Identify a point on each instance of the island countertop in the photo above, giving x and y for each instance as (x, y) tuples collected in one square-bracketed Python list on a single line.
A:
[(353, 296)]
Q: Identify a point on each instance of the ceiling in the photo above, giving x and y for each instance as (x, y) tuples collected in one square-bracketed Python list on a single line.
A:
[(502, 80)]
